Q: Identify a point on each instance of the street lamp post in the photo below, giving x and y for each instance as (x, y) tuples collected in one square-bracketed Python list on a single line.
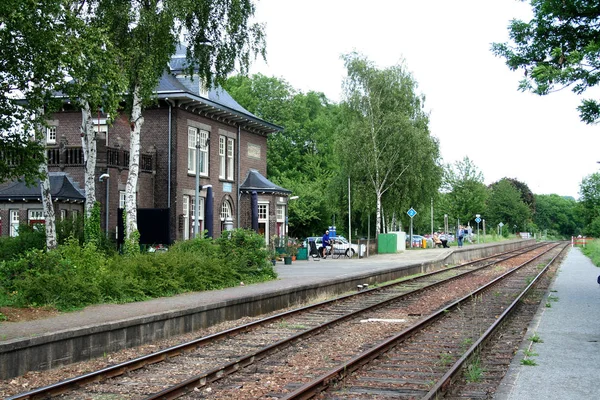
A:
[(199, 145), (197, 197)]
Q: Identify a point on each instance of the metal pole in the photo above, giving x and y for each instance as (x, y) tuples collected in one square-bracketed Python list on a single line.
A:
[(349, 217), (432, 216), (107, 207), (197, 203)]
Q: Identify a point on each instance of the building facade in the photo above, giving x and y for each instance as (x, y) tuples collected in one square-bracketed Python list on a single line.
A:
[(190, 135)]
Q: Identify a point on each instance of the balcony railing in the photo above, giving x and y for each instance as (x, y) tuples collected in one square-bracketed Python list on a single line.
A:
[(72, 156)]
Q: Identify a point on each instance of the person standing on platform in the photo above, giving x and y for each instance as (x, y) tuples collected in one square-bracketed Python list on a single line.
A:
[(325, 243), (461, 233)]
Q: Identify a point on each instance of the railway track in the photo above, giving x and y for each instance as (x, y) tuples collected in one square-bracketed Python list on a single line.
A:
[(247, 352)]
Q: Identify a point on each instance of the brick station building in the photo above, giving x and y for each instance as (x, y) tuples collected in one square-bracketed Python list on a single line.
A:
[(232, 155)]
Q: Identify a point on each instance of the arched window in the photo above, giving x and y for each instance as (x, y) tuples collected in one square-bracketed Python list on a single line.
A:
[(225, 213)]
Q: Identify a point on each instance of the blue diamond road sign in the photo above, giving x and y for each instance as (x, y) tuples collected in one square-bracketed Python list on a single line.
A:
[(411, 213), (478, 220)]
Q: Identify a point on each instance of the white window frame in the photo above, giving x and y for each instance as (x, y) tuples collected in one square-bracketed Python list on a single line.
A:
[(186, 217), (36, 214), (14, 223), (122, 199), (222, 144), (192, 216), (74, 214), (225, 210), (230, 159), (51, 135), (195, 134), (192, 137), (63, 214), (280, 213)]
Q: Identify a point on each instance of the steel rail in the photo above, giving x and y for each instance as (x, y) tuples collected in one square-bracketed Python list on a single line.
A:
[(228, 368), (337, 374)]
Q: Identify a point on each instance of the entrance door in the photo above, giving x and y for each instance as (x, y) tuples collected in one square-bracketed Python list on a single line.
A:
[(263, 220)]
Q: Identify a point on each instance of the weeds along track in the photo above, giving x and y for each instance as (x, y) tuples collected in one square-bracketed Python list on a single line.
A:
[(281, 353)]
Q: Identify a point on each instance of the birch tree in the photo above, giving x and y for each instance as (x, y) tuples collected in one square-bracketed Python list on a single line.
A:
[(219, 38), (384, 125)]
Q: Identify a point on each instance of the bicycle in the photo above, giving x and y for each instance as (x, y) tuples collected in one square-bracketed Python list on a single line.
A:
[(335, 252)]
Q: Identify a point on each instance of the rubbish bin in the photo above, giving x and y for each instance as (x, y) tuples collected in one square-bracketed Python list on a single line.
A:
[(424, 243), (302, 254)]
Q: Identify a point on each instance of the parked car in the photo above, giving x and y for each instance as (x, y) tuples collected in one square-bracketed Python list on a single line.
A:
[(340, 245), (417, 241)]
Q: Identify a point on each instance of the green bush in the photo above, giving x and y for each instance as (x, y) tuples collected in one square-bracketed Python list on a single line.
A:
[(75, 276), (29, 238)]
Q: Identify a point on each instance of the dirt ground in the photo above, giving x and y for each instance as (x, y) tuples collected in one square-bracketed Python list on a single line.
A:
[(12, 314)]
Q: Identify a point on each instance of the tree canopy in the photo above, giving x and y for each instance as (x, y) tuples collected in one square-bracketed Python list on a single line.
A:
[(558, 48), (384, 143)]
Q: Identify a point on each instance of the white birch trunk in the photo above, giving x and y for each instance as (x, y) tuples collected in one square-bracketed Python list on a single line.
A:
[(136, 123), (47, 206), (88, 141)]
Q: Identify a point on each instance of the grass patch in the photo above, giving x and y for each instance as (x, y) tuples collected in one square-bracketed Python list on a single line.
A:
[(535, 338), (592, 251), (528, 361), (474, 371)]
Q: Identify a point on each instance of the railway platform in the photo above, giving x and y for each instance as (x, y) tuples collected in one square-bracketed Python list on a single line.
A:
[(568, 357)]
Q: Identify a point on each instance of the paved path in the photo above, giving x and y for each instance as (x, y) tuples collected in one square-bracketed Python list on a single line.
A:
[(568, 360)]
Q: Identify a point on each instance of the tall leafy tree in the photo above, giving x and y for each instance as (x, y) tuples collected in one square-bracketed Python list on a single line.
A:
[(219, 38), (95, 83), (300, 157), (589, 192), (384, 143), (505, 206), (37, 42), (558, 48), (466, 192), (557, 215), (32, 58)]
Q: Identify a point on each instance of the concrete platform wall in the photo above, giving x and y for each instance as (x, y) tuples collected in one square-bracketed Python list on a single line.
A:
[(83, 343)]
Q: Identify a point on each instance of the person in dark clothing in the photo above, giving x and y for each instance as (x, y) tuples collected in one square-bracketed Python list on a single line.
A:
[(325, 243)]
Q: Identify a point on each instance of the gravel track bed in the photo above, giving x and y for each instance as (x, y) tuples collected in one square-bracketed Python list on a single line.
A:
[(329, 351)]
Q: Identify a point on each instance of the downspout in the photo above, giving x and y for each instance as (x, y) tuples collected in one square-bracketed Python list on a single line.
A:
[(169, 159), (239, 149)]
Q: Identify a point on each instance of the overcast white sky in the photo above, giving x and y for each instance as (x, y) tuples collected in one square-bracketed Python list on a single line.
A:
[(475, 107)]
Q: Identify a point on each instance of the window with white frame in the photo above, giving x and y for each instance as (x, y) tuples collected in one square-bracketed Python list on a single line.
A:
[(225, 210), (199, 136), (186, 217), (75, 214), (51, 135), (262, 212), (222, 143), (193, 215), (14, 223), (35, 215), (63, 214), (230, 162), (280, 213), (122, 199)]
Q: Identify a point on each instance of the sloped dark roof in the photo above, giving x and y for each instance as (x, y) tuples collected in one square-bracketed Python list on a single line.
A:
[(62, 187), (173, 85), (256, 182)]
